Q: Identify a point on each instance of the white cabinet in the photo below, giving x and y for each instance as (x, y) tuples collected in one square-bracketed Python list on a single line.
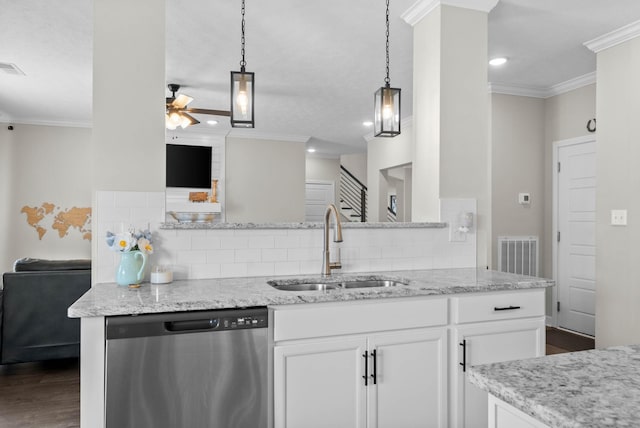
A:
[(503, 415), (323, 352), (519, 334), (372, 379), (410, 380), (318, 385)]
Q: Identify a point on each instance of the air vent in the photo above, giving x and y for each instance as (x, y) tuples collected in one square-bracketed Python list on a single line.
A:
[(518, 254), (11, 69)]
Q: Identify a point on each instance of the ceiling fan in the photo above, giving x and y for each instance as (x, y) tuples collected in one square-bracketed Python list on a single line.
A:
[(177, 112)]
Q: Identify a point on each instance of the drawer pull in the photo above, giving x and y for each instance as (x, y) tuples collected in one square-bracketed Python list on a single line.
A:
[(506, 308)]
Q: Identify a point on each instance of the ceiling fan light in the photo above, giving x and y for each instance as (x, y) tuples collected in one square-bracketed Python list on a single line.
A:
[(168, 123), (242, 96)]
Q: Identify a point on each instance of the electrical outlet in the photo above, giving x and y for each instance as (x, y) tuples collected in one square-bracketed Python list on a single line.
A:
[(618, 217)]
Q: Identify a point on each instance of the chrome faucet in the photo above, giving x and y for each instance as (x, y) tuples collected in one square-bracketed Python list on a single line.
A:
[(327, 265)]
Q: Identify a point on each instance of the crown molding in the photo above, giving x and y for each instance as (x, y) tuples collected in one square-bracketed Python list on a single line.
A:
[(521, 91), (614, 37), (571, 84), (538, 92), (249, 133), (38, 122), (422, 8)]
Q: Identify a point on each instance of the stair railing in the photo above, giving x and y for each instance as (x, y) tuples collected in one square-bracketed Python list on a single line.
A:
[(353, 195)]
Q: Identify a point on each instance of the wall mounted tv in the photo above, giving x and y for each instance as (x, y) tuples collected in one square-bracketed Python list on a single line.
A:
[(188, 166)]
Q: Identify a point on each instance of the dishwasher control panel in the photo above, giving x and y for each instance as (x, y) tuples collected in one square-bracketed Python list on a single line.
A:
[(243, 321), (123, 327)]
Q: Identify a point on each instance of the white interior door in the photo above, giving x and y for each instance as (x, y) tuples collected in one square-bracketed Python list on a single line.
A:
[(318, 194), (577, 245)]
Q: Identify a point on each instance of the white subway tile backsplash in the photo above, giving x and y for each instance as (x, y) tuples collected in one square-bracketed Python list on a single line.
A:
[(205, 242), (221, 256), (274, 255), (233, 270), (248, 255), (202, 271), (263, 252), (260, 269), (262, 242), (191, 257), (234, 242)]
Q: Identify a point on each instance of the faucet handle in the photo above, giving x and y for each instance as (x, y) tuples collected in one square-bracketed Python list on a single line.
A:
[(337, 264)]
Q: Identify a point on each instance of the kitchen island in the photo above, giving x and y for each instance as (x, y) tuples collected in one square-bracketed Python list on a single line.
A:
[(228, 293), (325, 346), (595, 388)]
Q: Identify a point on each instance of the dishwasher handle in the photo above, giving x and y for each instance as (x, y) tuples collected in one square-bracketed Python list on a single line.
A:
[(203, 324)]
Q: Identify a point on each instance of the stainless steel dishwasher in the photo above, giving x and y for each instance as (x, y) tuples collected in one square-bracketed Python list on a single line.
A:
[(187, 370)]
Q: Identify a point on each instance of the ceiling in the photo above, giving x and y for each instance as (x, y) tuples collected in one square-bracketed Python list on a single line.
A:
[(317, 62)]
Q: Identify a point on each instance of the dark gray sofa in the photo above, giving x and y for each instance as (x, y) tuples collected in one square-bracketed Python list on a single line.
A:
[(33, 309)]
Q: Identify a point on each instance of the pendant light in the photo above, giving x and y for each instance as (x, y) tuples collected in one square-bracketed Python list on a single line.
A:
[(387, 102), (242, 90)]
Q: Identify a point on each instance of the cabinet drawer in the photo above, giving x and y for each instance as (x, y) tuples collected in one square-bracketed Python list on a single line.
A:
[(333, 319), (497, 306)]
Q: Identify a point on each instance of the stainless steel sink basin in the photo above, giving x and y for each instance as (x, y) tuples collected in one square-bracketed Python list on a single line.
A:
[(304, 287), (371, 283), (322, 286)]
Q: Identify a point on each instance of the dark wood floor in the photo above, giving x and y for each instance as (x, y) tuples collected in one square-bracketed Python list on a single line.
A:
[(47, 395), (560, 341), (42, 395)]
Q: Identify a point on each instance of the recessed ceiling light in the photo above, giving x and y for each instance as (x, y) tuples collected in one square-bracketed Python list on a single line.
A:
[(311, 150), (367, 123), (212, 122), (497, 61)]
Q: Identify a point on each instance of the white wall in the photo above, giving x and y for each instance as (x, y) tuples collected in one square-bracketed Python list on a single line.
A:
[(324, 169), (43, 164), (385, 153), (517, 165), (356, 163), (264, 181), (617, 187)]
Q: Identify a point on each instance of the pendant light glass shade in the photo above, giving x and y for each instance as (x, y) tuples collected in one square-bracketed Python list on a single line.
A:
[(242, 95), (387, 112)]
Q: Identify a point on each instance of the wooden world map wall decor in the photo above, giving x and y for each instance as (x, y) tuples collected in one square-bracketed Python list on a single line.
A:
[(48, 216)]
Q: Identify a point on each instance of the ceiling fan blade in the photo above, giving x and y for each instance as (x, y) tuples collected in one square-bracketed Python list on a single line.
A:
[(181, 101), (208, 111), (188, 120)]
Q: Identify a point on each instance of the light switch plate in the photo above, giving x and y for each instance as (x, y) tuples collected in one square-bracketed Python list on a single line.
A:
[(618, 217)]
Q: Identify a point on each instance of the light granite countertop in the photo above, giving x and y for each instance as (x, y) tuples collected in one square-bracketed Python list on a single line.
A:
[(596, 388), (191, 295), (302, 225)]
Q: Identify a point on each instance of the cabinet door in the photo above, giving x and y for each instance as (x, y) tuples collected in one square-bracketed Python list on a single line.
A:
[(486, 343), (320, 384), (410, 389)]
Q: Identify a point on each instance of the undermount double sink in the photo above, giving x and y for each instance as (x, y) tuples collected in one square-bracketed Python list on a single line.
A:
[(324, 286)]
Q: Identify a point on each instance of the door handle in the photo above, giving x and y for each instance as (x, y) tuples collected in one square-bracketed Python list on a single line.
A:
[(205, 324), (366, 368), (464, 355), (374, 354)]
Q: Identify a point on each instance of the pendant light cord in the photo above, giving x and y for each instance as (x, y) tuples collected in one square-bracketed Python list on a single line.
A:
[(243, 63), (387, 80)]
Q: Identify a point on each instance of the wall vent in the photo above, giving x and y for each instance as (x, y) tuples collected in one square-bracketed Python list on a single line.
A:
[(11, 69), (518, 254)]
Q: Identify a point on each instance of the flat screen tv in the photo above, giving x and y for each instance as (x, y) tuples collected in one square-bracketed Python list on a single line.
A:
[(188, 166)]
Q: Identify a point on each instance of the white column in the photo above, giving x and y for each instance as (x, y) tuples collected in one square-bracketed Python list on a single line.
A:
[(451, 110)]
